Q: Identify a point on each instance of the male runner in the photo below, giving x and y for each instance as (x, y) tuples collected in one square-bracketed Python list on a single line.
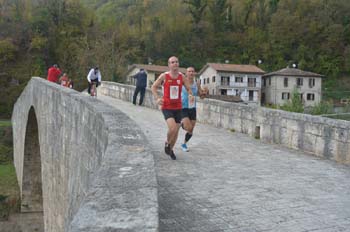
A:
[(189, 113), (170, 103)]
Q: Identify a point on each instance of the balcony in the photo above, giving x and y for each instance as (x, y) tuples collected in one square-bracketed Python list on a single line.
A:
[(252, 84)]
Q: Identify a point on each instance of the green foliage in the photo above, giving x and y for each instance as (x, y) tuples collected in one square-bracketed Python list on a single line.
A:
[(78, 34), (5, 123), (7, 178), (7, 51), (6, 150), (38, 43), (9, 191), (5, 154), (324, 107), (295, 104)]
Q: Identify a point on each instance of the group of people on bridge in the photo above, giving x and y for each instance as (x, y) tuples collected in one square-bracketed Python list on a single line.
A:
[(54, 74), (178, 103)]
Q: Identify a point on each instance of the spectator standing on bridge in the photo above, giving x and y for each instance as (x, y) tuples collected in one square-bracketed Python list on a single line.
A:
[(94, 76), (170, 103), (189, 112), (141, 83), (53, 73)]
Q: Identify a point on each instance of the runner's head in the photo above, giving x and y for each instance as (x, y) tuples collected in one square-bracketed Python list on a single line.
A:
[(190, 73), (173, 63)]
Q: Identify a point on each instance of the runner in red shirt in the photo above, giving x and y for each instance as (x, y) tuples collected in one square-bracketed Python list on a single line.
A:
[(171, 101)]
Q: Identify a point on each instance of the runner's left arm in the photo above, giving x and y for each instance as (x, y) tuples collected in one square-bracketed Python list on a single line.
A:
[(187, 86)]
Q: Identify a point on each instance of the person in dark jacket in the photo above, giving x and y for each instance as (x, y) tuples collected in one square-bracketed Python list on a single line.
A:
[(141, 83)]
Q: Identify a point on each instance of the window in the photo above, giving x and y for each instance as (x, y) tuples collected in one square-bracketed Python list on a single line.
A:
[(208, 80), (310, 97), (285, 82), (269, 80), (225, 80), (264, 82), (204, 81), (213, 79), (311, 82), (251, 82), (285, 96), (239, 79), (299, 81)]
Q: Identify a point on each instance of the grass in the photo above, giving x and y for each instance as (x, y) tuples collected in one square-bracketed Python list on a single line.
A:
[(9, 190), (8, 180), (5, 123)]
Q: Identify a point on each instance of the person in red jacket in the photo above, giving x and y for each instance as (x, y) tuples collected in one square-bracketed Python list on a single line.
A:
[(171, 103), (53, 73)]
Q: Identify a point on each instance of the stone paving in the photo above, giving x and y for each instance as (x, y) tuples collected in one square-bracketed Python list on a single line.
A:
[(231, 182)]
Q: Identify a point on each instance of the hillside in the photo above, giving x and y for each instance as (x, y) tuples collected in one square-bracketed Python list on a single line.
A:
[(113, 34)]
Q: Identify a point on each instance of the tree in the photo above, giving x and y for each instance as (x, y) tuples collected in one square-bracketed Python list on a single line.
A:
[(295, 104), (197, 9)]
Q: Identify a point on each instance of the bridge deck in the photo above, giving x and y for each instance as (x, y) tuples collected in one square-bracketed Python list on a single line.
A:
[(231, 182)]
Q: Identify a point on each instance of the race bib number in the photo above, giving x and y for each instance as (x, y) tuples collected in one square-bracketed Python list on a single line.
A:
[(174, 92), (191, 102)]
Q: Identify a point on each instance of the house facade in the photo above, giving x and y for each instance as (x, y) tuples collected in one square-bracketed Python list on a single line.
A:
[(233, 80), (278, 86), (153, 72)]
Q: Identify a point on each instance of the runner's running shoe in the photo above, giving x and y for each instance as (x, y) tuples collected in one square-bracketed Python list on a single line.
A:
[(172, 155), (184, 147), (167, 148)]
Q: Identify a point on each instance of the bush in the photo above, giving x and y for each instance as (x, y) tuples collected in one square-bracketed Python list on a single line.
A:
[(324, 107), (295, 104)]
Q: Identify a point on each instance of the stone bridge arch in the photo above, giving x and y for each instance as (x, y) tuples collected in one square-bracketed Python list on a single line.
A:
[(85, 165), (31, 194)]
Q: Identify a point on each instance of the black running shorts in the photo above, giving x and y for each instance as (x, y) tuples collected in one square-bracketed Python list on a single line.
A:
[(189, 113), (175, 114)]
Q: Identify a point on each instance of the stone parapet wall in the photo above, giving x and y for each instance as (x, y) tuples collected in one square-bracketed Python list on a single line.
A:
[(97, 169), (323, 137), (126, 92)]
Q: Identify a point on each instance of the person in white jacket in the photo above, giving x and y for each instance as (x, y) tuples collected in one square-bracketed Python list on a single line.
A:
[(94, 76)]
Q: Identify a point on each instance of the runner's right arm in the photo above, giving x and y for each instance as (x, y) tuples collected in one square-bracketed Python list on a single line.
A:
[(155, 87)]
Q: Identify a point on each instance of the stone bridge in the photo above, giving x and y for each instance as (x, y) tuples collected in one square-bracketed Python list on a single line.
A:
[(97, 165)]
